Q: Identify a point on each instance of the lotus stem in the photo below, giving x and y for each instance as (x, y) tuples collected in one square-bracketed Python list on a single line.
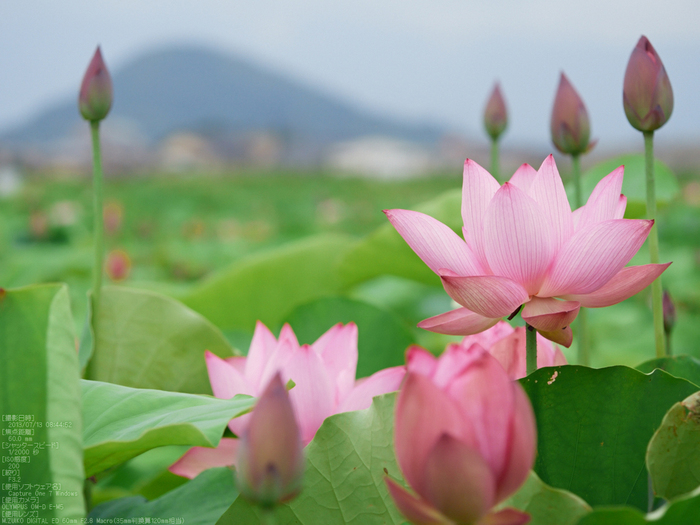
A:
[(87, 495), (530, 349), (98, 223), (581, 335), (656, 292), (268, 516), (576, 165), (494, 160)]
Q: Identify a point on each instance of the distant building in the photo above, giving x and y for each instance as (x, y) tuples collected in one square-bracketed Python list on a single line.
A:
[(381, 157), (187, 151), (10, 180)]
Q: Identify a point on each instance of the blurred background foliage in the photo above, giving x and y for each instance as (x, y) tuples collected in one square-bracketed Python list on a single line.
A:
[(307, 247)]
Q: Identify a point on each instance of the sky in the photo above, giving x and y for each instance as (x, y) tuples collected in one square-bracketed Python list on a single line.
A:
[(418, 60)]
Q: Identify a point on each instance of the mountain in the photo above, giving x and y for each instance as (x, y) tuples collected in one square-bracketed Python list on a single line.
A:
[(201, 90)]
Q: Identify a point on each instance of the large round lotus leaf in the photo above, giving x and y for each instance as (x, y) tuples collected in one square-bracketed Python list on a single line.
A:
[(672, 457), (593, 427)]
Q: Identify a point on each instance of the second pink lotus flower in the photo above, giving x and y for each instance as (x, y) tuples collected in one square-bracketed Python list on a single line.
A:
[(523, 246), (324, 378)]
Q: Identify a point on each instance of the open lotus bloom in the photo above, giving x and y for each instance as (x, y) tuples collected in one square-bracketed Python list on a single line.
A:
[(523, 246), (507, 345), (465, 439), (324, 378)]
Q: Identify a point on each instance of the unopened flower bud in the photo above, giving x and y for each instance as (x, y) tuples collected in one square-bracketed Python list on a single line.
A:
[(669, 310), (571, 129), (270, 462), (495, 115), (647, 95), (95, 99), (118, 265)]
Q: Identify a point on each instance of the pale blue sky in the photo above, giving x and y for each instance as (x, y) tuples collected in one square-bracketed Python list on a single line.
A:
[(430, 60)]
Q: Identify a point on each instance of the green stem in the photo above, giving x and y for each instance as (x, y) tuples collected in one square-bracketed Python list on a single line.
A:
[(576, 165), (530, 349), (656, 292), (494, 159), (581, 335), (268, 516), (87, 494), (98, 223)]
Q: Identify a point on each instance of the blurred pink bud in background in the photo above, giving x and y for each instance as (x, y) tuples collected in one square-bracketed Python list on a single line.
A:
[(647, 95), (495, 114), (669, 312), (95, 98), (270, 460), (523, 246), (465, 438), (323, 374), (118, 265), (571, 130)]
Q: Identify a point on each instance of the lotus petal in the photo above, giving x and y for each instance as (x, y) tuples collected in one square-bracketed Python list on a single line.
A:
[(548, 314), (488, 295), (518, 239), (436, 244), (593, 256), (626, 283), (458, 322)]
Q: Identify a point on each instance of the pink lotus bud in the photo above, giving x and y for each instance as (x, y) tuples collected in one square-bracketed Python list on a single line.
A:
[(669, 313), (495, 115), (95, 99), (465, 438), (118, 265), (647, 95), (270, 463), (570, 127)]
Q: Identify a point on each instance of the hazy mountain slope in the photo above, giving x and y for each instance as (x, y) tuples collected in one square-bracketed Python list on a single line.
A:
[(203, 90)]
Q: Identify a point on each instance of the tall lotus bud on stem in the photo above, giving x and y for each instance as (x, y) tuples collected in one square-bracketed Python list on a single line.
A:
[(95, 99), (495, 122), (571, 129), (495, 114), (648, 101), (94, 102), (270, 463), (571, 133), (647, 95)]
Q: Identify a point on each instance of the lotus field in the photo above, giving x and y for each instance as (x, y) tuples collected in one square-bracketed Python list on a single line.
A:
[(268, 347)]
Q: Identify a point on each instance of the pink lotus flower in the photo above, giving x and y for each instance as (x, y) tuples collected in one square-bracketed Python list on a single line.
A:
[(507, 345), (465, 438), (523, 246), (324, 377)]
